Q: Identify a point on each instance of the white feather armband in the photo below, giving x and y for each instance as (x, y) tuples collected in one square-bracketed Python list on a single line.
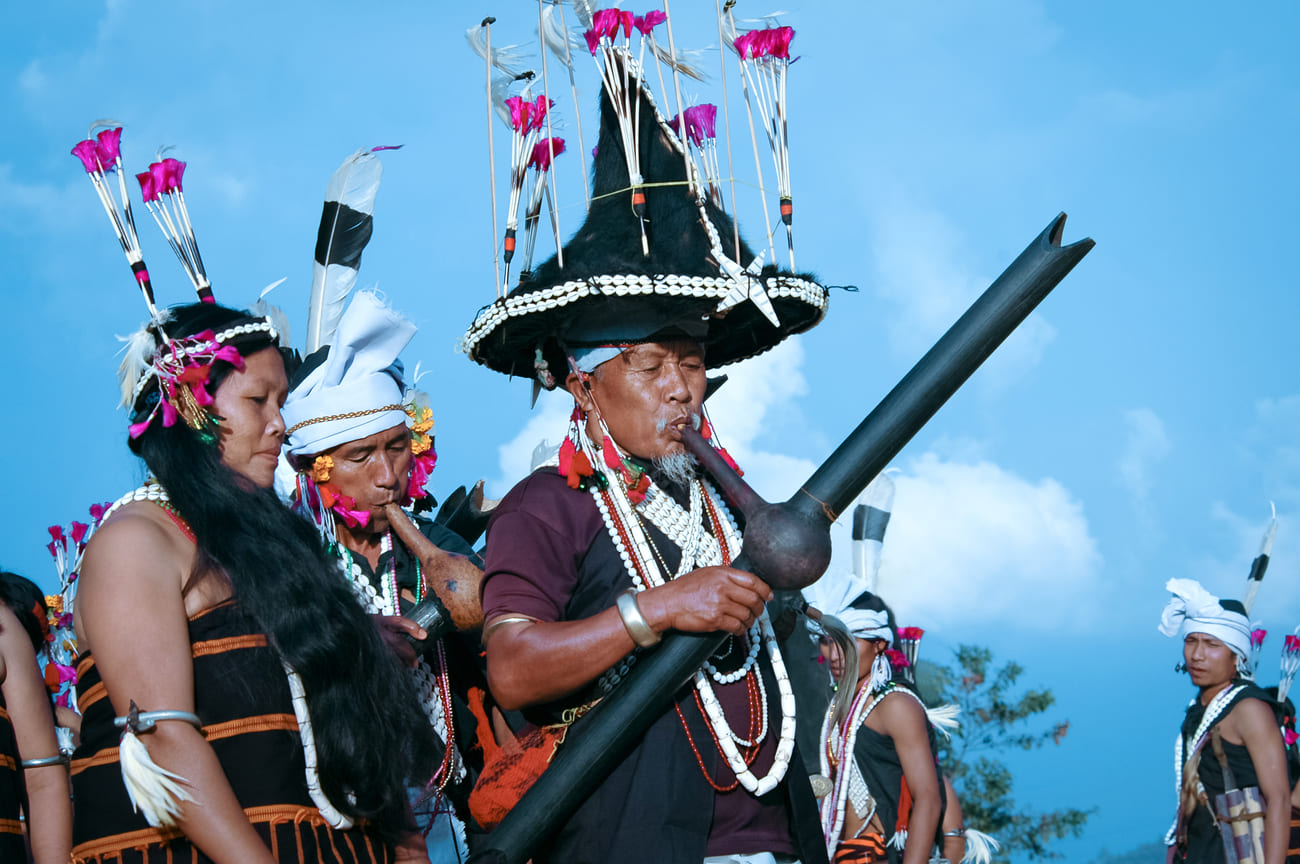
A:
[(153, 790)]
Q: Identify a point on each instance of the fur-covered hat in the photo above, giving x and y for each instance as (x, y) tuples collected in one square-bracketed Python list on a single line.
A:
[(649, 257)]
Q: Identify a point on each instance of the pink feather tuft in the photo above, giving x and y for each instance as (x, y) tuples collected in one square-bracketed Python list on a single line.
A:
[(645, 23), (109, 144), (541, 158), (88, 153)]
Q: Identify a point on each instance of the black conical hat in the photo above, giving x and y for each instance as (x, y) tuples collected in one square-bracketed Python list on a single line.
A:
[(607, 281)]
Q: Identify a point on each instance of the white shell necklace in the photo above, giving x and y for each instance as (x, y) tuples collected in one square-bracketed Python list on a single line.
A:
[(1212, 712), (621, 521), (386, 601)]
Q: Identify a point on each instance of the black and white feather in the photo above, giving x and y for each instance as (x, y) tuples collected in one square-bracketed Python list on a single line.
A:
[(346, 223)]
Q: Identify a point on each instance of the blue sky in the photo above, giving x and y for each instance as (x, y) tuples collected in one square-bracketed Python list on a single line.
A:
[(1134, 429)]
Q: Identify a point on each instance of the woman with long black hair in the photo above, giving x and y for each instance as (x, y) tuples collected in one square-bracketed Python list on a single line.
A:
[(261, 717)]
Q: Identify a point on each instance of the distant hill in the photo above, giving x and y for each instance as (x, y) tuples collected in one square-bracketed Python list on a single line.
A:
[(1147, 853)]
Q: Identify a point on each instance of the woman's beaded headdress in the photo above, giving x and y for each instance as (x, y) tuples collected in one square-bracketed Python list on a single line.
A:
[(180, 365)]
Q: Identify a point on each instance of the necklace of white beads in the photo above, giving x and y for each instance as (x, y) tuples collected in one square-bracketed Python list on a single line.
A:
[(1212, 712), (699, 548), (433, 687)]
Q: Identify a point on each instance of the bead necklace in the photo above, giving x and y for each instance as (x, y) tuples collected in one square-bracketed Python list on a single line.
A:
[(749, 757), (1212, 712), (433, 687), (153, 491), (837, 761), (376, 603), (638, 558)]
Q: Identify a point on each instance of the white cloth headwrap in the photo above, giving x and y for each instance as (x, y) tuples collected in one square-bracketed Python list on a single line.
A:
[(1192, 609), (360, 376), (834, 595)]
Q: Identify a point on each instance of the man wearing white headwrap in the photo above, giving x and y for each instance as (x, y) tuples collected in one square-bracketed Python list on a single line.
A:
[(1192, 609), (360, 446), (1216, 638)]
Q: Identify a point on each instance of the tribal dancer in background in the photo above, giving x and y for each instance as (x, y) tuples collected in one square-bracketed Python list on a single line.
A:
[(1231, 720), (887, 796)]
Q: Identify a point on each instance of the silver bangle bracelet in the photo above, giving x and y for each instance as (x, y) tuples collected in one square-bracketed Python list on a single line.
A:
[(61, 759), (637, 627), (143, 721)]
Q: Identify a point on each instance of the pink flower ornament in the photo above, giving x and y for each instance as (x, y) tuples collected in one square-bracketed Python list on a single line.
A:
[(88, 152), (542, 151), (778, 43), (148, 187), (519, 108), (645, 23), (172, 171), (897, 658), (109, 144), (79, 530), (537, 113), (1257, 637), (745, 44)]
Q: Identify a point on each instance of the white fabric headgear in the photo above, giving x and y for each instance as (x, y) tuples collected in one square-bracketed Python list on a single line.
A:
[(1192, 609), (834, 595), (361, 377)]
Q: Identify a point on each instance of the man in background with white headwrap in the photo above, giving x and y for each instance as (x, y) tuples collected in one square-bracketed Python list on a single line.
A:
[(360, 445), (1217, 647)]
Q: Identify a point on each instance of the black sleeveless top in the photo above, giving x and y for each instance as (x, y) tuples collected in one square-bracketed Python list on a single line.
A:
[(241, 695), (13, 795), (882, 770), (1204, 841)]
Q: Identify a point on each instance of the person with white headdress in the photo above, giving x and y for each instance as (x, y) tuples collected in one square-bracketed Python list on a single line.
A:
[(886, 796), (360, 444), (1231, 720)]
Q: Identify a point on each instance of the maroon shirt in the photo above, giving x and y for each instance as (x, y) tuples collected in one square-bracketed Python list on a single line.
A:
[(549, 556)]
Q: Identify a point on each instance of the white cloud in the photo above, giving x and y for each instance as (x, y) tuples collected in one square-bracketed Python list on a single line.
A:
[(972, 545), (547, 424), (1146, 444)]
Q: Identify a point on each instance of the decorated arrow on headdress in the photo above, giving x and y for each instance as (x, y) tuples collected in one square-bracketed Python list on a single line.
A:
[(1260, 564), (345, 226), (870, 519)]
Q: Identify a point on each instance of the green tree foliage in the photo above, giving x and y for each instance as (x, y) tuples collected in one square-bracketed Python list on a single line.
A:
[(996, 715)]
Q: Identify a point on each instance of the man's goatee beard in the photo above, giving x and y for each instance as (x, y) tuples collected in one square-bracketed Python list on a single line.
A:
[(679, 469)]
